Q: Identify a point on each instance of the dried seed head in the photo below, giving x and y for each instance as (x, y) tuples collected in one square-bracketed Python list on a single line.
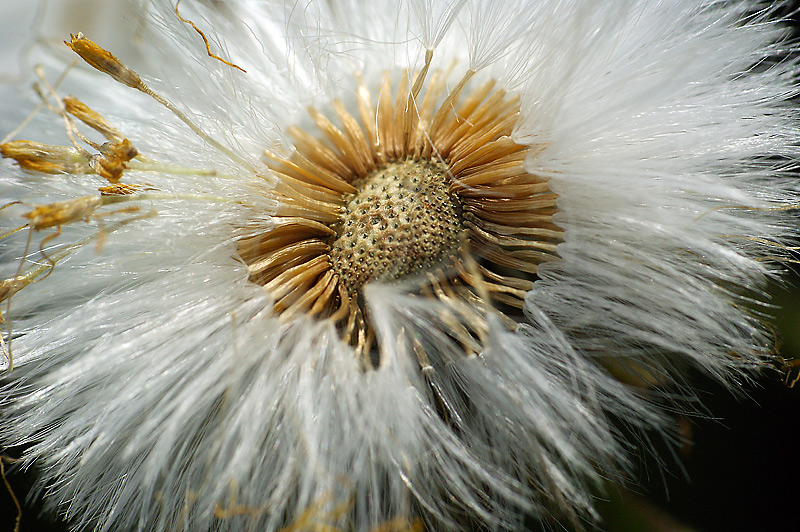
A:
[(402, 222), (438, 196)]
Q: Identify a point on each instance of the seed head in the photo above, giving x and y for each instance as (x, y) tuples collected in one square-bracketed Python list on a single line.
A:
[(481, 234)]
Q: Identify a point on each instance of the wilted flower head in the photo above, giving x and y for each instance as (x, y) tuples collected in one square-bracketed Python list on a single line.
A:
[(373, 264)]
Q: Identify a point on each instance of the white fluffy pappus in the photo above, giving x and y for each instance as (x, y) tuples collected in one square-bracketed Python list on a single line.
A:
[(159, 384)]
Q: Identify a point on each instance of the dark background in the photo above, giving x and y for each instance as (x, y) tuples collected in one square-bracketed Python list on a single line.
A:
[(738, 471)]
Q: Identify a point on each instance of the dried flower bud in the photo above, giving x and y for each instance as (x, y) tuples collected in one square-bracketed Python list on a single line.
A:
[(103, 60), (45, 158), (91, 118), (63, 212)]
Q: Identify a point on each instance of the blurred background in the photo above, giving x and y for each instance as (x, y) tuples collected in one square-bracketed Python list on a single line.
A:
[(737, 471)]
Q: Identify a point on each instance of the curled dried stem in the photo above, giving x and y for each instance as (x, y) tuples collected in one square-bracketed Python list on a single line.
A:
[(205, 40)]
